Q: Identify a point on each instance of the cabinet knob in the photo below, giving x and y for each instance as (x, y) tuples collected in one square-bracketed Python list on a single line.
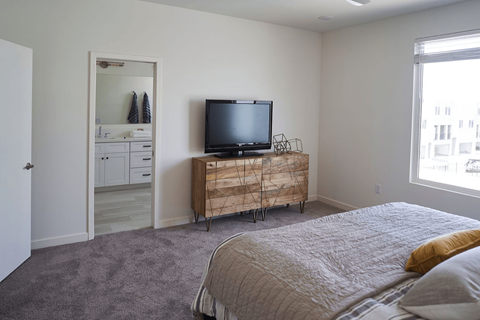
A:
[(107, 158), (103, 158)]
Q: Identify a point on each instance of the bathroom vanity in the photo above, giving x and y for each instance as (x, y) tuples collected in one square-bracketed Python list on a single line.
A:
[(122, 161)]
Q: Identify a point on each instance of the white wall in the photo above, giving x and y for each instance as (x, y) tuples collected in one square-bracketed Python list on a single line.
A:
[(366, 110), (204, 56)]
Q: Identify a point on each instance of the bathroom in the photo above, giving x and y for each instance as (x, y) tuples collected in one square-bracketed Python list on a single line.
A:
[(123, 145)]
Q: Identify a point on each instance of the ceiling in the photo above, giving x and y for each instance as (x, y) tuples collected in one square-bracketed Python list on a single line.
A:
[(304, 14)]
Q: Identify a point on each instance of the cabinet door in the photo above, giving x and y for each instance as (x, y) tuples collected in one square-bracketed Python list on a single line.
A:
[(284, 179), (117, 169), (99, 170), (225, 188)]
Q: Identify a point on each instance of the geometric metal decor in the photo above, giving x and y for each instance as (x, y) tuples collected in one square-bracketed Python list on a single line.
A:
[(282, 145), (296, 145)]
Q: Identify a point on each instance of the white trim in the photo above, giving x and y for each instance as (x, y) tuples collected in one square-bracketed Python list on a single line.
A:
[(176, 222), (156, 136), (416, 137), (312, 197), (336, 203), (56, 241), (445, 187)]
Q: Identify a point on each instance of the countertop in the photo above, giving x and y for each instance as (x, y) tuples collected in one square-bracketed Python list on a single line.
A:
[(121, 139)]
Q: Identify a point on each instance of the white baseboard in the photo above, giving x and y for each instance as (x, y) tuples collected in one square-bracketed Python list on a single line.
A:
[(56, 241), (336, 203), (175, 221), (312, 198)]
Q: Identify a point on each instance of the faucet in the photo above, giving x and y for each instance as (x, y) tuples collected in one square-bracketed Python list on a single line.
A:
[(100, 132), (106, 134)]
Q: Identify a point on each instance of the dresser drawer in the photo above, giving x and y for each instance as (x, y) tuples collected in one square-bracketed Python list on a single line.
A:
[(116, 147), (140, 175), (140, 159), (140, 146)]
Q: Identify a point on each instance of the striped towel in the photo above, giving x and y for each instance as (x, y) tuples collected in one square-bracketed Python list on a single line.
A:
[(147, 117), (133, 115)]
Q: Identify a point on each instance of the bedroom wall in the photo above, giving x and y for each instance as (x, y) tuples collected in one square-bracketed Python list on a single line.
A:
[(204, 56), (366, 110)]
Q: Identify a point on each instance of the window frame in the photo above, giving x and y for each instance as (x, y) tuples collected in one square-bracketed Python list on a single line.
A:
[(415, 144)]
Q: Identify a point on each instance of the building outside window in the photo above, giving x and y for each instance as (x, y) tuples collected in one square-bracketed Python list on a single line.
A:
[(447, 74)]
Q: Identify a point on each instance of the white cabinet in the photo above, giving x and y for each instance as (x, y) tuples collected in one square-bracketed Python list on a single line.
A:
[(117, 169), (112, 164), (99, 170), (119, 163), (140, 162)]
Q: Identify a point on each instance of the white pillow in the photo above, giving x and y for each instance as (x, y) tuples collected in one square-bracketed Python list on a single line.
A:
[(449, 291)]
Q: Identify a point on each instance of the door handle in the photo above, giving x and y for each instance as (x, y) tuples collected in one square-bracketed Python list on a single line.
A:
[(28, 166)]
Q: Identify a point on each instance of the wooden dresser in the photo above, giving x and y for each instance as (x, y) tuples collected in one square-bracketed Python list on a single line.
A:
[(248, 184)]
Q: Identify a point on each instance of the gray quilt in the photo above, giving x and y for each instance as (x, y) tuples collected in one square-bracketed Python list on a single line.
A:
[(317, 269)]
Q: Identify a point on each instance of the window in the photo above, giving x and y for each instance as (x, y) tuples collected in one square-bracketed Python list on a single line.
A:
[(447, 70), (442, 133)]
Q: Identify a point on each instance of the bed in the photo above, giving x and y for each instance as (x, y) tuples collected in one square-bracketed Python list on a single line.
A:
[(345, 266)]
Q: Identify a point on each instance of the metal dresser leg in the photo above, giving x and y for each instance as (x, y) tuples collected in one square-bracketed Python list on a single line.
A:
[(208, 222)]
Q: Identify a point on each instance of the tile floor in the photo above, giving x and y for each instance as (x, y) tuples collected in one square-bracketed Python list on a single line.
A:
[(122, 210)]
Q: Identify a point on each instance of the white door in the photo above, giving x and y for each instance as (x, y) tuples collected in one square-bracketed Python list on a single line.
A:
[(15, 146), (117, 169)]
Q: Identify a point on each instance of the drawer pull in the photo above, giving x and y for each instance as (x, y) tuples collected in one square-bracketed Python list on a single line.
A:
[(146, 174), (147, 158), (149, 146)]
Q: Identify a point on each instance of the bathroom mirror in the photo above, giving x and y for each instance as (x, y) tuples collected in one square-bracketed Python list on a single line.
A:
[(116, 82)]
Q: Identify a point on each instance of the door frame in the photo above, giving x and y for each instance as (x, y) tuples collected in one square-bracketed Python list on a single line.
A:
[(156, 134)]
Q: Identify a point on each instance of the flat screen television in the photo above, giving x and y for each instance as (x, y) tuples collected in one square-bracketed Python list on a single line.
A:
[(233, 127)]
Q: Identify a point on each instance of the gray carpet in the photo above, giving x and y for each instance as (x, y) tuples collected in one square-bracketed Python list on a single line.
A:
[(142, 274)]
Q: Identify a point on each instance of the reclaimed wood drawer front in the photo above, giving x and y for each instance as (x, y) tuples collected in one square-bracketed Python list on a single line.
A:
[(228, 186), (226, 189), (284, 180)]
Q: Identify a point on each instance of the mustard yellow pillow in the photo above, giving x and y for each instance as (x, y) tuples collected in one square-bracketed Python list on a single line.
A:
[(439, 249)]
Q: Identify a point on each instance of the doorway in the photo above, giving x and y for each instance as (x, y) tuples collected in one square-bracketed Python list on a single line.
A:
[(123, 143)]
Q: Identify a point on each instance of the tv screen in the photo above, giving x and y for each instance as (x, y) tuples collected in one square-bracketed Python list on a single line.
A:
[(237, 125)]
